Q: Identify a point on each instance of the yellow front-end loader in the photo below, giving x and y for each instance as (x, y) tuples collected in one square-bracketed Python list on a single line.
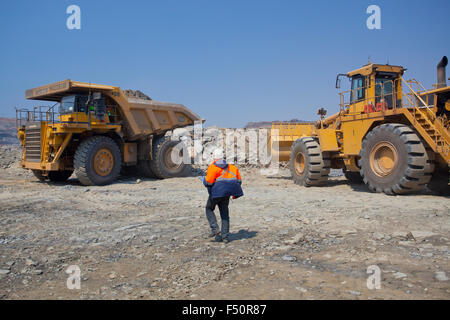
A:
[(390, 133)]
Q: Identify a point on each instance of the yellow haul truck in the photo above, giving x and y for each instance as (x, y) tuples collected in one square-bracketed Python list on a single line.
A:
[(395, 142), (94, 130)]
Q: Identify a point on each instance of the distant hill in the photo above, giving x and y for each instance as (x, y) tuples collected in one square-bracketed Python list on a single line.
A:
[(8, 133), (268, 124)]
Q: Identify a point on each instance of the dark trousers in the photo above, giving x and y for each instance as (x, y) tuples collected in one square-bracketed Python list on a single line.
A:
[(222, 203)]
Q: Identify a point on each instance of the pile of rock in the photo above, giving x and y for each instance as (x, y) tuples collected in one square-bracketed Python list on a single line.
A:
[(242, 146), (10, 155), (136, 94)]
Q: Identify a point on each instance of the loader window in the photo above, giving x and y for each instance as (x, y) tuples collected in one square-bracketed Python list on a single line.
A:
[(384, 91), (358, 89)]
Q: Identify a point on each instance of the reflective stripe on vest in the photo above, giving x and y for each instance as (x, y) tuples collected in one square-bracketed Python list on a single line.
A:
[(223, 178)]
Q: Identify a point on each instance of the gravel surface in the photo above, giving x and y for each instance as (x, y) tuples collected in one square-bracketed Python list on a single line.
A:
[(147, 239)]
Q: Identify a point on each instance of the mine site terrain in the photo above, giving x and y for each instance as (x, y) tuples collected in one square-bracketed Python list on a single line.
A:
[(147, 239)]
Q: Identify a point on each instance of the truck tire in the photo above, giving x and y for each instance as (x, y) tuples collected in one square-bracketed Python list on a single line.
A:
[(59, 176), (309, 166), (144, 169), (440, 182), (97, 161), (162, 165), (353, 176), (38, 174), (394, 160)]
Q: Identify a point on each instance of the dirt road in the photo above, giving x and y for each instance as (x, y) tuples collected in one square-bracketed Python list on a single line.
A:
[(147, 240)]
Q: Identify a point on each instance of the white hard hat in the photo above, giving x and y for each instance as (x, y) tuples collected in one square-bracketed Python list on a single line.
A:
[(218, 154)]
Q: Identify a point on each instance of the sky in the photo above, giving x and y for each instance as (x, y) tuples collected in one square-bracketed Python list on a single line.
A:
[(230, 61)]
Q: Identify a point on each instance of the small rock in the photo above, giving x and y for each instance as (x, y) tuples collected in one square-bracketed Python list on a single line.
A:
[(301, 289), (399, 275), (287, 257), (2, 271), (410, 237), (138, 181), (355, 293), (400, 235), (422, 235), (36, 272), (378, 236), (440, 276), (112, 275), (296, 239), (30, 262)]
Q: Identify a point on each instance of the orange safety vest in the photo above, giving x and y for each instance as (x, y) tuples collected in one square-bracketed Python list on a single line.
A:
[(223, 180), (216, 173)]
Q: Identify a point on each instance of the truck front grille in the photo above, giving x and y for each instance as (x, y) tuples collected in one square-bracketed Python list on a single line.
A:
[(33, 144)]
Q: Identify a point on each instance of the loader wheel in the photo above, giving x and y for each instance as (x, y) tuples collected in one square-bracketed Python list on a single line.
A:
[(59, 176), (394, 160), (440, 182), (97, 161), (162, 164), (38, 174), (309, 166), (145, 169), (353, 176)]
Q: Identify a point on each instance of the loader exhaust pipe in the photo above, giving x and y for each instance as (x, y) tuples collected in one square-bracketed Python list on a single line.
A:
[(441, 77)]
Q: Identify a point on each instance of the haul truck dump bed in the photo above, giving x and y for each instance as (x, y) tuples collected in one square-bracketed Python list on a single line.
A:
[(96, 129)]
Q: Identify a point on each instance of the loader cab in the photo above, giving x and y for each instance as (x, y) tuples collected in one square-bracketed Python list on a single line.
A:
[(374, 88)]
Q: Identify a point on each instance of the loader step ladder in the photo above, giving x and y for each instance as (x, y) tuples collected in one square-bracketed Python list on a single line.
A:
[(429, 126)]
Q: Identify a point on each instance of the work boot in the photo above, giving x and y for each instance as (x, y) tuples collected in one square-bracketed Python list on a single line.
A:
[(218, 238), (213, 234)]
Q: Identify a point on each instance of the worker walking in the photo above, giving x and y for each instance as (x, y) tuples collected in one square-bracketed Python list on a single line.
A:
[(223, 181)]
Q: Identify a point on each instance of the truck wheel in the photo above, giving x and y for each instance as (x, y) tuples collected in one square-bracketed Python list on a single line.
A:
[(97, 161), (394, 160), (309, 166), (162, 164), (144, 168), (59, 176), (353, 176), (440, 182), (38, 174)]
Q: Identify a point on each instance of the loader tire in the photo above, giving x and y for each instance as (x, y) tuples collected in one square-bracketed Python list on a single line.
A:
[(162, 165), (97, 161), (59, 176), (144, 169), (394, 160), (353, 177), (308, 164), (440, 182), (38, 174)]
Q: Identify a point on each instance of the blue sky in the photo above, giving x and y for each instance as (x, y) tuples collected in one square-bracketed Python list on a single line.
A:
[(229, 61)]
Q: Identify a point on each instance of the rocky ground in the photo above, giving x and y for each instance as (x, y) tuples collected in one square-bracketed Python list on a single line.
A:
[(146, 239)]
